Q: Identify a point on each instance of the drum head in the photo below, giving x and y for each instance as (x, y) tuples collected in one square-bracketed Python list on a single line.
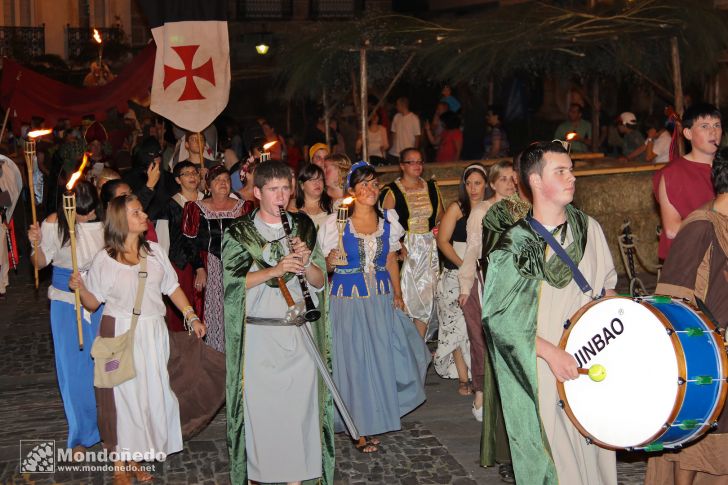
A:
[(639, 393)]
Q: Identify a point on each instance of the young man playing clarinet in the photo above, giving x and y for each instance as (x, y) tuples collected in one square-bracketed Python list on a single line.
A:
[(529, 293), (277, 413)]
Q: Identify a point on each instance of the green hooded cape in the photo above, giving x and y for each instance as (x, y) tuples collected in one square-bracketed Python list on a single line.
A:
[(516, 268), (241, 247)]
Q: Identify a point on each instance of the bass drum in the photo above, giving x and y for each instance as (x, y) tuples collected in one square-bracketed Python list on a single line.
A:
[(657, 373)]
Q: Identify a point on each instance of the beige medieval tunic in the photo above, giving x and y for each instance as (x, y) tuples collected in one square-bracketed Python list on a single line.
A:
[(577, 463)]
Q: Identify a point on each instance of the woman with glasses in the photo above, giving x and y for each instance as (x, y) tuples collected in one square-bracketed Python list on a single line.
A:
[(205, 221), (418, 204), (186, 261), (311, 198)]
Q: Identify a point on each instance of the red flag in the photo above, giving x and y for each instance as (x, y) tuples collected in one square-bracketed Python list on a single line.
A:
[(192, 69), (29, 93)]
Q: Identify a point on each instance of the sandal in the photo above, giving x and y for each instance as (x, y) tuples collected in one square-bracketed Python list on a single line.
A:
[(364, 446), (373, 440), (141, 475), (464, 388), (121, 476)]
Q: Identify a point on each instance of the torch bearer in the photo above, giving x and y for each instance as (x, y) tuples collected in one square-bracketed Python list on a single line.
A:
[(341, 217), (69, 208), (30, 163), (265, 156), (97, 38)]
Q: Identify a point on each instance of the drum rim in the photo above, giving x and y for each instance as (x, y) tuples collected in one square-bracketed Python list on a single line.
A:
[(682, 372), (720, 343)]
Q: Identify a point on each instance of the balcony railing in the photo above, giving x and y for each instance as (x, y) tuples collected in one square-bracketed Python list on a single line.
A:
[(22, 42), (80, 44), (264, 9), (333, 9)]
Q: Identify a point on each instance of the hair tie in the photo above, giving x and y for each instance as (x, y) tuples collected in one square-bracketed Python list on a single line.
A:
[(356, 166)]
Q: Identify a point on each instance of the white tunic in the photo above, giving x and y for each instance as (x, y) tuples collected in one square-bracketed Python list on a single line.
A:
[(575, 460), (147, 410), (280, 399)]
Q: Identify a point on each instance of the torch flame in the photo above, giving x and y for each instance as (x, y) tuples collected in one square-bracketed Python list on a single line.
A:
[(347, 201), (77, 175), (571, 136), (268, 145), (97, 36), (37, 133)]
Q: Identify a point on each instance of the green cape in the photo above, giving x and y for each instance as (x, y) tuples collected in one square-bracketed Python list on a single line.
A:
[(494, 440), (516, 268), (242, 246)]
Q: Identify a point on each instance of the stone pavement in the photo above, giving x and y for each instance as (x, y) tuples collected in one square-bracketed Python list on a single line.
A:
[(438, 444)]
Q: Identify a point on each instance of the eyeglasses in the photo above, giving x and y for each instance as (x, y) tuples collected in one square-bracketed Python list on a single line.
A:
[(193, 173), (413, 162)]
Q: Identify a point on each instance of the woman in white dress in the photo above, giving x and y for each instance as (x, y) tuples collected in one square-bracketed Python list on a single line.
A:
[(452, 358), (311, 198), (143, 415)]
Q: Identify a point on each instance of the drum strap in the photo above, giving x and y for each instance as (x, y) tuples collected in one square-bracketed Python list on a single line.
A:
[(561, 253)]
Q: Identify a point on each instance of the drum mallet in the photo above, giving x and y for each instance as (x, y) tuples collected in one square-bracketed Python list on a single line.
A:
[(597, 372)]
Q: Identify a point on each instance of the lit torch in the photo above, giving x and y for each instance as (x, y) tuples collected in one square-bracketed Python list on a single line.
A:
[(97, 38), (265, 156), (30, 160), (570, 139), (69, 208), (341, 217)]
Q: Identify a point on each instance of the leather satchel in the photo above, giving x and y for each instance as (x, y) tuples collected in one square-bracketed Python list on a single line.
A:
[(114, 356)]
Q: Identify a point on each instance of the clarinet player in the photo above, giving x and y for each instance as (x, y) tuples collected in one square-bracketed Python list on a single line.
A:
[(280, 420)]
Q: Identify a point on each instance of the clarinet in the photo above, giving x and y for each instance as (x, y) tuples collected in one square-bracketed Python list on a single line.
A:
[(311, 313)]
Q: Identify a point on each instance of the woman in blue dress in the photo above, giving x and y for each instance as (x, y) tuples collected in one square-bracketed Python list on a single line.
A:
[(379, 359), (74, 368)]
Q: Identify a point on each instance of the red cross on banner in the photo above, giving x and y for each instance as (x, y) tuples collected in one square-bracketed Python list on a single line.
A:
[(192, 72), (204, 71)]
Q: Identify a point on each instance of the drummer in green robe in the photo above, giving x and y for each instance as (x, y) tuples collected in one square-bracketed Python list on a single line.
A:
[(529, 293), (279, 413)]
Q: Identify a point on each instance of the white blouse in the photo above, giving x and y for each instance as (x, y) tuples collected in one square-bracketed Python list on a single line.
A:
[(89, 239), (116, 283), (328, 236)]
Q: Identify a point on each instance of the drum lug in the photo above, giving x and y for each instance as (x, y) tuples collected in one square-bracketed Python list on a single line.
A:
[(680, 381), (567, 324), (714, 425), (560, 403), (588, 440), (669, 331)]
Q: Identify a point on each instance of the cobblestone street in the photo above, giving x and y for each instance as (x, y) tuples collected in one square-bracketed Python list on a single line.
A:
[(438, 444)]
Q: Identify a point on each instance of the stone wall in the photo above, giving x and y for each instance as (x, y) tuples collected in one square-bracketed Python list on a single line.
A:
[(609, 191)]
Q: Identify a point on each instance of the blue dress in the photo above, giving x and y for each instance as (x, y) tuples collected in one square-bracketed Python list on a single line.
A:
[(379, 359)]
